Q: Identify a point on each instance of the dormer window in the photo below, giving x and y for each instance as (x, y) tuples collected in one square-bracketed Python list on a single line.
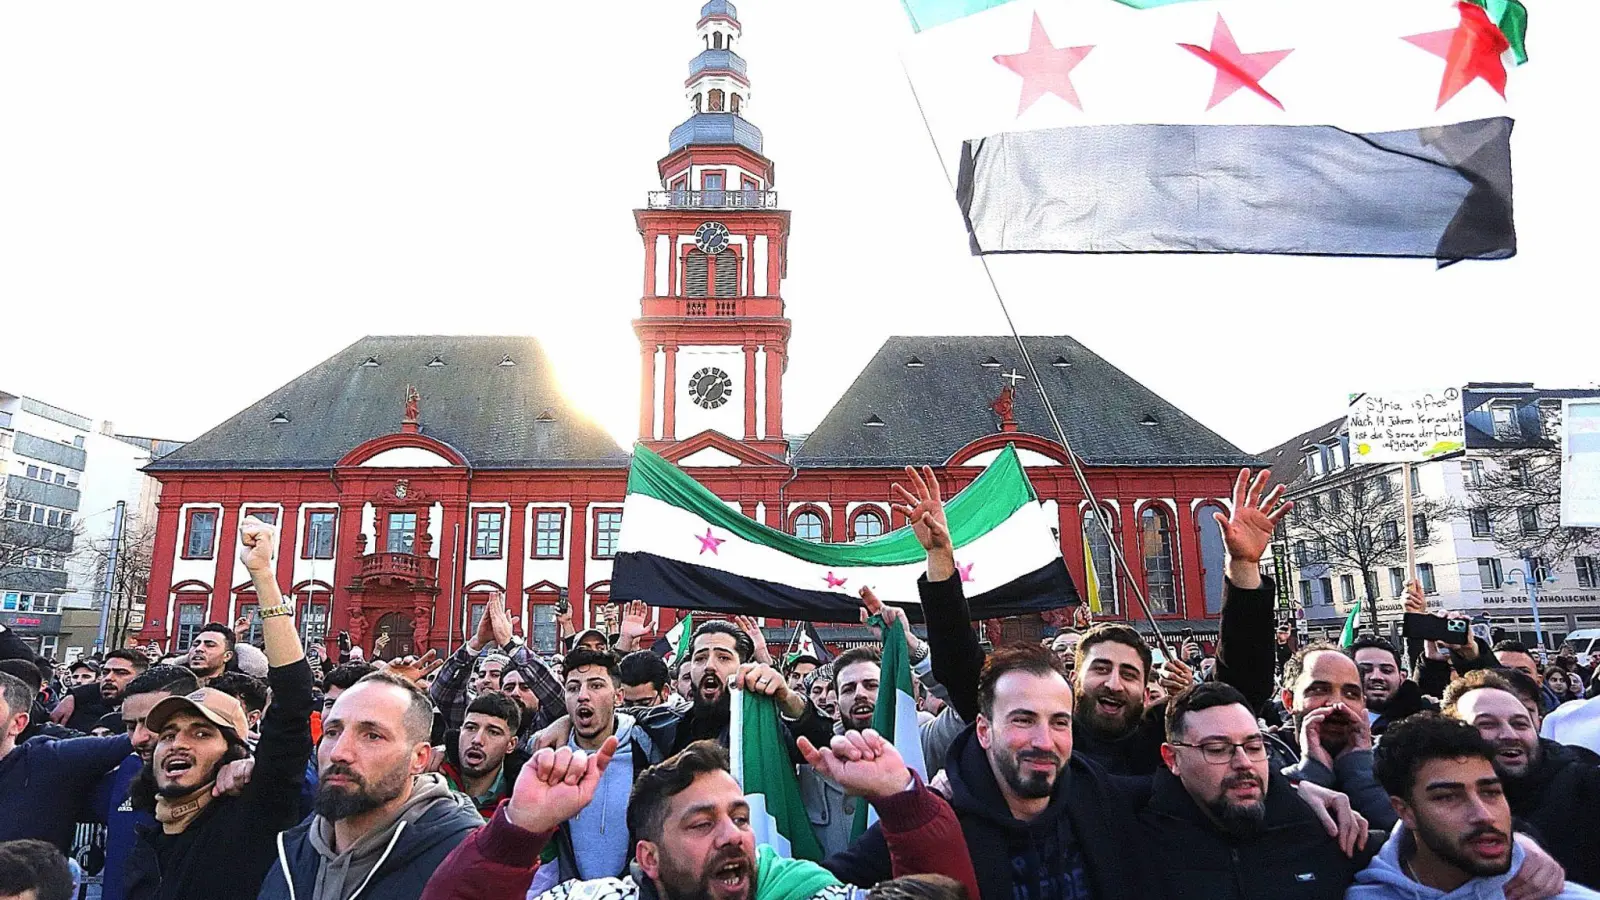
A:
[(915, 363), (1336, 451), (873, 422), (281, 418), (990, 363), (436, 362), (1315, 464), (1061, 363), (506, 361), (370, 362), (1550, 419), (1504, 415)]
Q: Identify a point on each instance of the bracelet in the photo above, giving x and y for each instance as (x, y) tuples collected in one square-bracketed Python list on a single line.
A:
[(282, 609)]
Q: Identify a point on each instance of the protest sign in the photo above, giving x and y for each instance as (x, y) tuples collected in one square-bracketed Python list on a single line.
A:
[(1580, 464), (1405, 426)]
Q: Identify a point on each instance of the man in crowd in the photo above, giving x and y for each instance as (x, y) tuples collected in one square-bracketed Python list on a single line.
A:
[(695, 837), (644, 680), (34, 870), (1328, 739), (211, 652), (342, 678), (595, 843), (85, 705), (683, 679), (251, 693), (1389, 695), (1222, 824), (537, 691), (1549, 786), (382, 824), (798, 668), (1065, 646), (43, 781), (82, 672), (113, 799), (819, 688), (206, 847), (1454, 833), (482, 760)]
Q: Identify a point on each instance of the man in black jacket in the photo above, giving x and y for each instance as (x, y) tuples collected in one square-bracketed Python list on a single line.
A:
[(1390, 695), (1551, 787), (1039, 821), (1223, 825), (219, 848), (382, 825)]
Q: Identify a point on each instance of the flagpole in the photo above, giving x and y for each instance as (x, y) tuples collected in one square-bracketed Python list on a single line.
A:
[(1049, 408)]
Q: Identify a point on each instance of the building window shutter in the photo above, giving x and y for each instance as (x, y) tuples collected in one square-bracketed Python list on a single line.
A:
[(696, 272), (727, 275)]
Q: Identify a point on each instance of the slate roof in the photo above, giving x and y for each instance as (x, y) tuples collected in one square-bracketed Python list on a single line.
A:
[(485, 410), (932, 410), (1288, 461)]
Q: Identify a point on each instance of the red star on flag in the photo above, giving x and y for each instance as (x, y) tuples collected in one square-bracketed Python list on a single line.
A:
[(1471, 50), (835, 581), (1235, 68), (709, 542), (966, 571), (1045, 68)]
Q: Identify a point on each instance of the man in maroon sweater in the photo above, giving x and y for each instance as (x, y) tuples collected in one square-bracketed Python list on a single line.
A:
[(692, 829)]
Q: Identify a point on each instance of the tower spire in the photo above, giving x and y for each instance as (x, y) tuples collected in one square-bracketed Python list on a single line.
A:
[(718, 89)]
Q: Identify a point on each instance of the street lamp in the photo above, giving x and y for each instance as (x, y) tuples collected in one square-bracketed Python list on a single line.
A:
[(1532, 584)]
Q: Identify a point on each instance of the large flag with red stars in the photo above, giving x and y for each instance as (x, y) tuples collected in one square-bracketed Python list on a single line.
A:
[(1361, 128)]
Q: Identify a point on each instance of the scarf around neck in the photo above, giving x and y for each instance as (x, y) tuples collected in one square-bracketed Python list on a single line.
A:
[(175, 813), (778, 878)]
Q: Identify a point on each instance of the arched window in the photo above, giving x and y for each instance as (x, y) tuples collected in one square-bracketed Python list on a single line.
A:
[(1105, 567), (1212, 553), (866, 526), (808, 527), (714, 100), (697, 101), (1155, 537), (716, 41), (733, 103)]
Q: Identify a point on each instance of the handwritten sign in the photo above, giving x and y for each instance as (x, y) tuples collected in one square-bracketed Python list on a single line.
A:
[(1410, 426), (1580, 464)]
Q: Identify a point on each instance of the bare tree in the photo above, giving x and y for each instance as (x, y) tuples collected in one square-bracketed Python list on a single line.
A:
[(1358, 524), (22, 543), (1518, 495), (128, 586)]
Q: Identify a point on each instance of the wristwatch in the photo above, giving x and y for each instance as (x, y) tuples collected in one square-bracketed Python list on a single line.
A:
[(920, 653), (282, 609)]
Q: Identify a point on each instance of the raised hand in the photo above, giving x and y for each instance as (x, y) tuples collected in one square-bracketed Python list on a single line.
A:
[(635, 619), (501, 623), (1415, 601), (485, 633), (556, 785), (241, 627), (417, 668), (1176, 675), (892, 615), (1082, 617), (750, 626), (260, 545), (1311, 736), (758, 678), (378, 643), (924, 509), (232, 778), (1249, 529), (862, 763)]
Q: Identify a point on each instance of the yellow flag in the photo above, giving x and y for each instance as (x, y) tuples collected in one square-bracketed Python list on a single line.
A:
[(1091, 579)]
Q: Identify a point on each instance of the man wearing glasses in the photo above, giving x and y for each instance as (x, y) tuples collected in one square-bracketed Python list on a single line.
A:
[(1225, 824)]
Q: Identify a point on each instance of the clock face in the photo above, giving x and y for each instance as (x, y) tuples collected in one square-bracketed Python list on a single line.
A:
[(712, 237), (710, 388)]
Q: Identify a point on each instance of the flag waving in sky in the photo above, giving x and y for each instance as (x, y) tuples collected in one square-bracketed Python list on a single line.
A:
[(682, 546), (1367, 127)]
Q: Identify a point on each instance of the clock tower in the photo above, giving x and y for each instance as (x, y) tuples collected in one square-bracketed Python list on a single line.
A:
[(713, 339)]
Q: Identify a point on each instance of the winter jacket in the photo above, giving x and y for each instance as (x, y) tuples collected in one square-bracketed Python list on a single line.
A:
[(1406, 702), (674, 730), (393, 862), (499, 861), (1574, 724), (1352, 775), (46, 781), (451, 770), (226, 851), (1291, 855), (643, 752), (1386, 878), (1557, 800), (1245, 659), (1085, 844), (113, 808)]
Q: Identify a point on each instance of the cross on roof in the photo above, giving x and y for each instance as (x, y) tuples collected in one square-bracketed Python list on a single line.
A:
[(1014, 376)]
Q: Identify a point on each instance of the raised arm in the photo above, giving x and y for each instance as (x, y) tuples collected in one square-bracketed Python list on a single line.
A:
[(1246, 657), (953, 643)]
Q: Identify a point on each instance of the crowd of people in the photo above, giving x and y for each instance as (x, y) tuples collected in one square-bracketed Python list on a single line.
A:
[(1090, 766)]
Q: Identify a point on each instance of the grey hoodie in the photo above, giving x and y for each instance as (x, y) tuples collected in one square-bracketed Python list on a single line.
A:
[(1386, 879), (341, 874)]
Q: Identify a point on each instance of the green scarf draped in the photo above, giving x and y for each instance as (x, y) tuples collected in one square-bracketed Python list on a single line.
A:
[(778, 878)]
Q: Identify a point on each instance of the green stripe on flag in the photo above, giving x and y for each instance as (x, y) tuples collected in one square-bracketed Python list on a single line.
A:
[(989, 500), (1348, 636), (761, 764), (894, 683), (926, 14), (685, 636), (1512, 17)]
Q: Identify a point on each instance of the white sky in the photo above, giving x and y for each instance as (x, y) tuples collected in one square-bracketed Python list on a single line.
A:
[(200, 200)]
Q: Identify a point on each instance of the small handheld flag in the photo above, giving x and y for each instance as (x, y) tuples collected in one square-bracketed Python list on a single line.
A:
[(1348, 637), (761, 764), (895, 716)]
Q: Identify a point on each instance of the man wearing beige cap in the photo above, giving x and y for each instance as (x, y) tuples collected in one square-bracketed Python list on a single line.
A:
[(207, 845)]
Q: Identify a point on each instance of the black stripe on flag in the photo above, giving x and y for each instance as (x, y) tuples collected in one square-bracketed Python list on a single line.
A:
[(1442, 192), (664, 582)]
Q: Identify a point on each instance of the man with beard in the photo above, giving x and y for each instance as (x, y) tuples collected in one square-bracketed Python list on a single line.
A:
[(1223, 825), (1551, 787), (209, 847), (593, 843), (86, 704), (694, 833), (211, 651), (480, 759), (1454, 833), (382, 824), (1389, 695), (537, 689)]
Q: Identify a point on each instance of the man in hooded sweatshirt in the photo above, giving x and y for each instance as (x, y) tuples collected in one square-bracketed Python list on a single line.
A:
[(382, 824), (1453, 840)]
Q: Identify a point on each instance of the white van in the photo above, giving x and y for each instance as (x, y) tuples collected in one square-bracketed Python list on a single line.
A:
[(1585, 641)]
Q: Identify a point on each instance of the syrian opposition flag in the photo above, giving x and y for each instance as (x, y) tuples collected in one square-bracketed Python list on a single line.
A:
[(683, 547), (1362, 127), (674, 645), (811, 644), (760, 762), (895, 715)]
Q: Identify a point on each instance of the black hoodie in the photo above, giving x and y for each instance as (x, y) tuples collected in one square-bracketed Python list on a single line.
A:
[(1558, 800), (1406, 702), (1084, 845)]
